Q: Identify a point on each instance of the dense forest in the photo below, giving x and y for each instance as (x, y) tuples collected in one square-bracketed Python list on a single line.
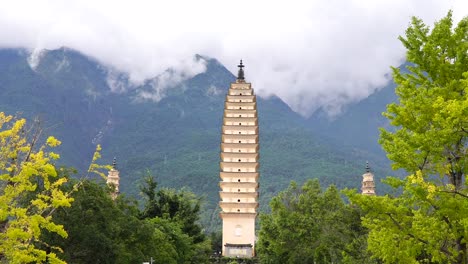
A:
[(49, 213)]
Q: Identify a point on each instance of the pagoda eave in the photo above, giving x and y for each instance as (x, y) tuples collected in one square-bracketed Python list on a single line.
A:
[(237, 214), (236, 185), (243, 205)]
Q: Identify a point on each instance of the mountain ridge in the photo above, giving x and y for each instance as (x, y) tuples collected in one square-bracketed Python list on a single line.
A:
[(176, 138)]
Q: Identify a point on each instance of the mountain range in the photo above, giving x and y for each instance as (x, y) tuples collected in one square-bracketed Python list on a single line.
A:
[(175, 135)]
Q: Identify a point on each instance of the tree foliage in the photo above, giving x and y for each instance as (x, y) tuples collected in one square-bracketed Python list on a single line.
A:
[(39, 223), (101, 230), (428, 222), (433, 103), (309, 225), (29, 193), (181, 207)]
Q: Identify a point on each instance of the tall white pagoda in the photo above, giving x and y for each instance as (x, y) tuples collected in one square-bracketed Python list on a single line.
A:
[(239, 169)]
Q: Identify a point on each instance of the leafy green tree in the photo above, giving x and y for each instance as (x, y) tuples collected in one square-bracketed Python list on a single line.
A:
[(101, 230), (29, 193), (428, 222), (181, 205), (180, 247), (183, 208), (307, 225), (431, 114)]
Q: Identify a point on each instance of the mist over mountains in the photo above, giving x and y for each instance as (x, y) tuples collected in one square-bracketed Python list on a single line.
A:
[(170, 125)]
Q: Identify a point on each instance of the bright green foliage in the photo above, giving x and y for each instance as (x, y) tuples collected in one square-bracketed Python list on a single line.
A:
[(96, 168), (29, 193), (431, 115), (428, 222), (307, 225)]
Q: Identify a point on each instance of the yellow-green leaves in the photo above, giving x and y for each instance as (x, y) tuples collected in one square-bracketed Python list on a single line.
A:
[(96, 168), (52, 142), (427, 222), (29, 193), (432, 111)]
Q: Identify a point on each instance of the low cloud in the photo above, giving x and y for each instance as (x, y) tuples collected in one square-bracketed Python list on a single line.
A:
[(312, 54), (156, 88), (35, 57)]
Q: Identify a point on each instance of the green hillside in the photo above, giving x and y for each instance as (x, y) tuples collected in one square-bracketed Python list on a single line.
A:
[(176, 139)]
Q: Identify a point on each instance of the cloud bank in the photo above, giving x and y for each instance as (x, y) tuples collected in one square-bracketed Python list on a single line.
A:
[(312, 54)]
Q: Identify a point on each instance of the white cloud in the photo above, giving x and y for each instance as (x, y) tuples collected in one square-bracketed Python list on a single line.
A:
[(35, 57), (170, 78), (312, 54)]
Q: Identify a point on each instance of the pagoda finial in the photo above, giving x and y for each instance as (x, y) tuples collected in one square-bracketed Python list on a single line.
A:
[(367, 166), (114, 163), (240, 74)]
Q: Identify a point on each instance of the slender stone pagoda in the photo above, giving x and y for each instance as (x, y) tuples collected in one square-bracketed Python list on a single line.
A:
[(239, 169), (368, 186), (113, 180)]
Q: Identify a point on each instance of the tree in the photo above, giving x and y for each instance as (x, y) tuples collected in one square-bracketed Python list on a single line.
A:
[(428, 222), (432, 109), (307, 225), (29, 193), (112, 231), (182, 208), (181, 205)]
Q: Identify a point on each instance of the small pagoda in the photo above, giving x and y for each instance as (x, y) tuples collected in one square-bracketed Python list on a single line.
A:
[(113, 180), (368, 185)]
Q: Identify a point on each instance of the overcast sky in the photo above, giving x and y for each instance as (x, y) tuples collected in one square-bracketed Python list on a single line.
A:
[(312, 54)]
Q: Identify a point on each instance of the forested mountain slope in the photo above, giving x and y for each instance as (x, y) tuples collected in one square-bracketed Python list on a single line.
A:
[(177, 138)]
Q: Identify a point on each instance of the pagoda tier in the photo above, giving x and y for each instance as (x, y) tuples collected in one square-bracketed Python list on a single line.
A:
[(236, 157), (239, 177), (241, 121), (230, 105), (240, 113), (241, 98), (239, 168), (243, 186), (247, 196), (240, 130)]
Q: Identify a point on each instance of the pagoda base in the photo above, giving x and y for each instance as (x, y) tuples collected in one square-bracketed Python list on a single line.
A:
[(238, 234), (238, 250)]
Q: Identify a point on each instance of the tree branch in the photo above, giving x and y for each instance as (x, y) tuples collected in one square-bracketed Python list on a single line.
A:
[(455, 192), (397, 224)]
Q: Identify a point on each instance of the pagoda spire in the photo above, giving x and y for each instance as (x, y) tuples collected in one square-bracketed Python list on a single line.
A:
[(240, 73)]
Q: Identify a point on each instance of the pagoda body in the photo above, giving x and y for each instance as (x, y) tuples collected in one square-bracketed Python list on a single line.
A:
[(113, 180), (368, 185), (239, 169)]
